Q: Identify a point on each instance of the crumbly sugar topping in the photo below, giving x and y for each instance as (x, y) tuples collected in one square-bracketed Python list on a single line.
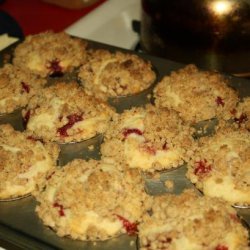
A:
[(17, 86), (23, 162), (65, 113), (148, 138), (50, 53), (197, 95), (92, 200), (188, 221), (241, 114), (220, 165), (107, 74)]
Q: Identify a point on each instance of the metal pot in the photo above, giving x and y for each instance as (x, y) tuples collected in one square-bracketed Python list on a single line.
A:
[(213, 34)]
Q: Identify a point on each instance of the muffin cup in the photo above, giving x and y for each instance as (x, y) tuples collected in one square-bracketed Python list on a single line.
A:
[(15, 119), (85, 149)]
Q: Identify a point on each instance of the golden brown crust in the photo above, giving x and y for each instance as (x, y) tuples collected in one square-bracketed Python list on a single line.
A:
[(91, 200), (189, 222), (107, 74), (220, 165), (17, 86), (49, 53), (65, 113), (197, 95), (148, 138), (23, 162)]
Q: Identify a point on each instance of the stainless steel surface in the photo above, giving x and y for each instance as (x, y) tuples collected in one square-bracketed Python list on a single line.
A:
[(19, 223), (214, 34)]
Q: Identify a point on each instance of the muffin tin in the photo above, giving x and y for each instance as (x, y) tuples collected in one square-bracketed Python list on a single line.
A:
[(19, 223)]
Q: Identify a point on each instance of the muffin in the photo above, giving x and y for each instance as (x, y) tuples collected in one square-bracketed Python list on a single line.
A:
[(192, 222), (196, 95), (92, 200), (148, 138), (17, 87), (23, 162), (220, 166), (110, 75), (65, 113), (50, 54)]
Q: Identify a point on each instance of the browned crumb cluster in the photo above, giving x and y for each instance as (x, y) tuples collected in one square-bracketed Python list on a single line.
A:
[(50, 53), (23, 162), (65, 113), (17, 86), (197, 95), (92, 200), (148, 138), (189, 222), (107, 74), (220, 165)]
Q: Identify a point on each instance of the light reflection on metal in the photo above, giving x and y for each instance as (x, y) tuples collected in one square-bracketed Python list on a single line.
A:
[(222, 7)]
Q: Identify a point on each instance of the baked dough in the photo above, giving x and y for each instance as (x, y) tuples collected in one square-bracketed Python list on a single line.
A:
[(17, 86), (107, 74), (192, 222), (148, 138), (65, 113), (92, 200), (197, 95), (23, 162), (220, 166), (50, 53)]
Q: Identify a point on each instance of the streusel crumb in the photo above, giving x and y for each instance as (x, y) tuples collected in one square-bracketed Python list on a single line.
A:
[(107, 74), (197, 95), (92, 200), (50, 53), (65, 113), (189, 222)]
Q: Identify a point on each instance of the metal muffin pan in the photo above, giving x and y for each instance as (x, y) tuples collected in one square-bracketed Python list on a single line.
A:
[(19, 223)]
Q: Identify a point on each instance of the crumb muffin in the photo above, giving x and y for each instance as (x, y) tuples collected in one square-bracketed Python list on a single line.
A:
[(241, 115), (23, 162), (17, 86), (196, 95), (92, 200), (65, 113), (192, 222), (220, 166), (50, 54), (107, 74), (148, 138)]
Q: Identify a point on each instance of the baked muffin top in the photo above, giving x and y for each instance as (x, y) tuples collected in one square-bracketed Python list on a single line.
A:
[(220, 165), (195, 94), (107, 74), (17, 86), (148, 138), (189, 222), (65, 113), (50, 53), (92, 200), (23, 162)]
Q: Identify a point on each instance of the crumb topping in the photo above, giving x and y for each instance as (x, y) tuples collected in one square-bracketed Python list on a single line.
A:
[(188, 221), (92, 200), (17, 86), (197, 95), (107, 74), (65, 113), (23, 162), (50, 53), (220, 165), (148, 138)]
